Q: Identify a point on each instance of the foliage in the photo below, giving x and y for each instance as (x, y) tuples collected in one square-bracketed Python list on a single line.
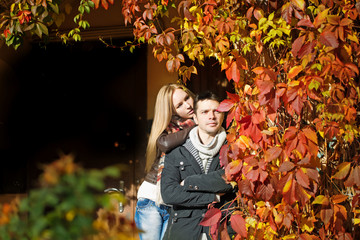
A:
[(25, 18), (293, 130), (293, 127), (64, 207)]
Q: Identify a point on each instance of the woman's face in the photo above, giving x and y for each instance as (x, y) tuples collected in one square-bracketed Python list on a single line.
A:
[(183, 104)]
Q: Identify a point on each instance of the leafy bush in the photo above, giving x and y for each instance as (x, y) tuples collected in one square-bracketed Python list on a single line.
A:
[(65, 207)]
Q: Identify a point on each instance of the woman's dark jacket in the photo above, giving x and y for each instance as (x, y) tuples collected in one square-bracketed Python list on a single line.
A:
[(165, 143)]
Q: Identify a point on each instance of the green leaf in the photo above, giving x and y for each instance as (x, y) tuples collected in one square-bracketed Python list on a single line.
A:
[(54, 7), (314, 84)]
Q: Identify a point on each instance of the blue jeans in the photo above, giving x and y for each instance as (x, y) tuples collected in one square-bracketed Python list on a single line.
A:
[(151, 219)]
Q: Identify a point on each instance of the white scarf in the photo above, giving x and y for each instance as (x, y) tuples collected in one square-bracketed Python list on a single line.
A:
[(208, 151)]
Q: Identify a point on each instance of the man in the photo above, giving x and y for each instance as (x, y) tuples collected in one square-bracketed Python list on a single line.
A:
[(189, 169)]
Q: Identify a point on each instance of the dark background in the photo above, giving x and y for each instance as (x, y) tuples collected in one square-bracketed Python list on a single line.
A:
[(84, 99)]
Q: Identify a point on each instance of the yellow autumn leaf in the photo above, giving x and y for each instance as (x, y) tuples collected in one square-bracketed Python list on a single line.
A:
[(250, 222), (255, 91), (260, 204), (70, 215), (356, 221), (307, 224), (321, 199), (290, 236), (287, 186), (244, 140), (294, 83), (353, 38), (343, 170), (300, 4)]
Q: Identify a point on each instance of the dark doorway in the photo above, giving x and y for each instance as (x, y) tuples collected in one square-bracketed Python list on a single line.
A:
[(84, 99)]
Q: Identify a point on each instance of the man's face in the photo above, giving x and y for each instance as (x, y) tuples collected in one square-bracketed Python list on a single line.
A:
[(208, 118)]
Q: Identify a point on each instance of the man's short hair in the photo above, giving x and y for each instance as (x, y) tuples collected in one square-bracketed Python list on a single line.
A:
[(207, 95)]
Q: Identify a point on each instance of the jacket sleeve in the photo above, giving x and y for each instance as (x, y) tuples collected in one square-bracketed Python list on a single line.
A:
[(175, 194), (167, 142), (211, 182)]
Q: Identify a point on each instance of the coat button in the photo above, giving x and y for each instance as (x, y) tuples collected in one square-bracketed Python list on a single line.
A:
[(190, 186), (196, 188), (181, 163), (203, 215), (175, 214)]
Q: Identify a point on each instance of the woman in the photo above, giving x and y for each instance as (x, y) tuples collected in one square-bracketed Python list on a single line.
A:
[(172, 122)]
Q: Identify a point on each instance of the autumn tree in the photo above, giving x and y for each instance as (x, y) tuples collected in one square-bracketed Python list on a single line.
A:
[(292, 121)]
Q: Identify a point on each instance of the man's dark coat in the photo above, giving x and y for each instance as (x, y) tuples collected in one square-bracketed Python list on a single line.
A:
[(191, 200)]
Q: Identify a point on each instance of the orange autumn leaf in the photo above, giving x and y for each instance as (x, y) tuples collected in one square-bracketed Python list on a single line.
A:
[(294, 71), (342, 170)]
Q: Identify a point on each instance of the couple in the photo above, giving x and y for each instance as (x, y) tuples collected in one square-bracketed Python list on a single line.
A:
[(191, 177)]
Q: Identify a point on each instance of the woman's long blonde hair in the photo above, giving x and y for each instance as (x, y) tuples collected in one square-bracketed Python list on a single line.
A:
[(163, 112)]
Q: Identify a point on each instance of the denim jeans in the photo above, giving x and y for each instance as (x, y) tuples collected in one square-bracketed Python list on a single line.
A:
[(151, 219)]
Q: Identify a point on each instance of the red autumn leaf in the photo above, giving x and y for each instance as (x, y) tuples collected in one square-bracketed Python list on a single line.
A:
[(294, 99), (234, 97), (24, 16), (354, 177), (238, 224), (212, 217), (233, 169), (286, 12), (272, 153), (326, 215), (286, 166), (297, 45), (246, 187), (264, 86), (302, 178), (184, 7), (301, 194), (224, 235), (250, 129), (225, 105), (105, 4), (290, 133), (310, 135), (258, 117), (305, 23), (96, 2), (233, 72), (307, 48), (252, 173), (223, 156), (249, 13), (311, 173), (344, 236), (242, 63), (265, 191), (289, 190), (230, 116), (329, 39), (214, 231)]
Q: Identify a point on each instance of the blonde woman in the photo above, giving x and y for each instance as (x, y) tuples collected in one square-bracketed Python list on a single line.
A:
[(171, 125)]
